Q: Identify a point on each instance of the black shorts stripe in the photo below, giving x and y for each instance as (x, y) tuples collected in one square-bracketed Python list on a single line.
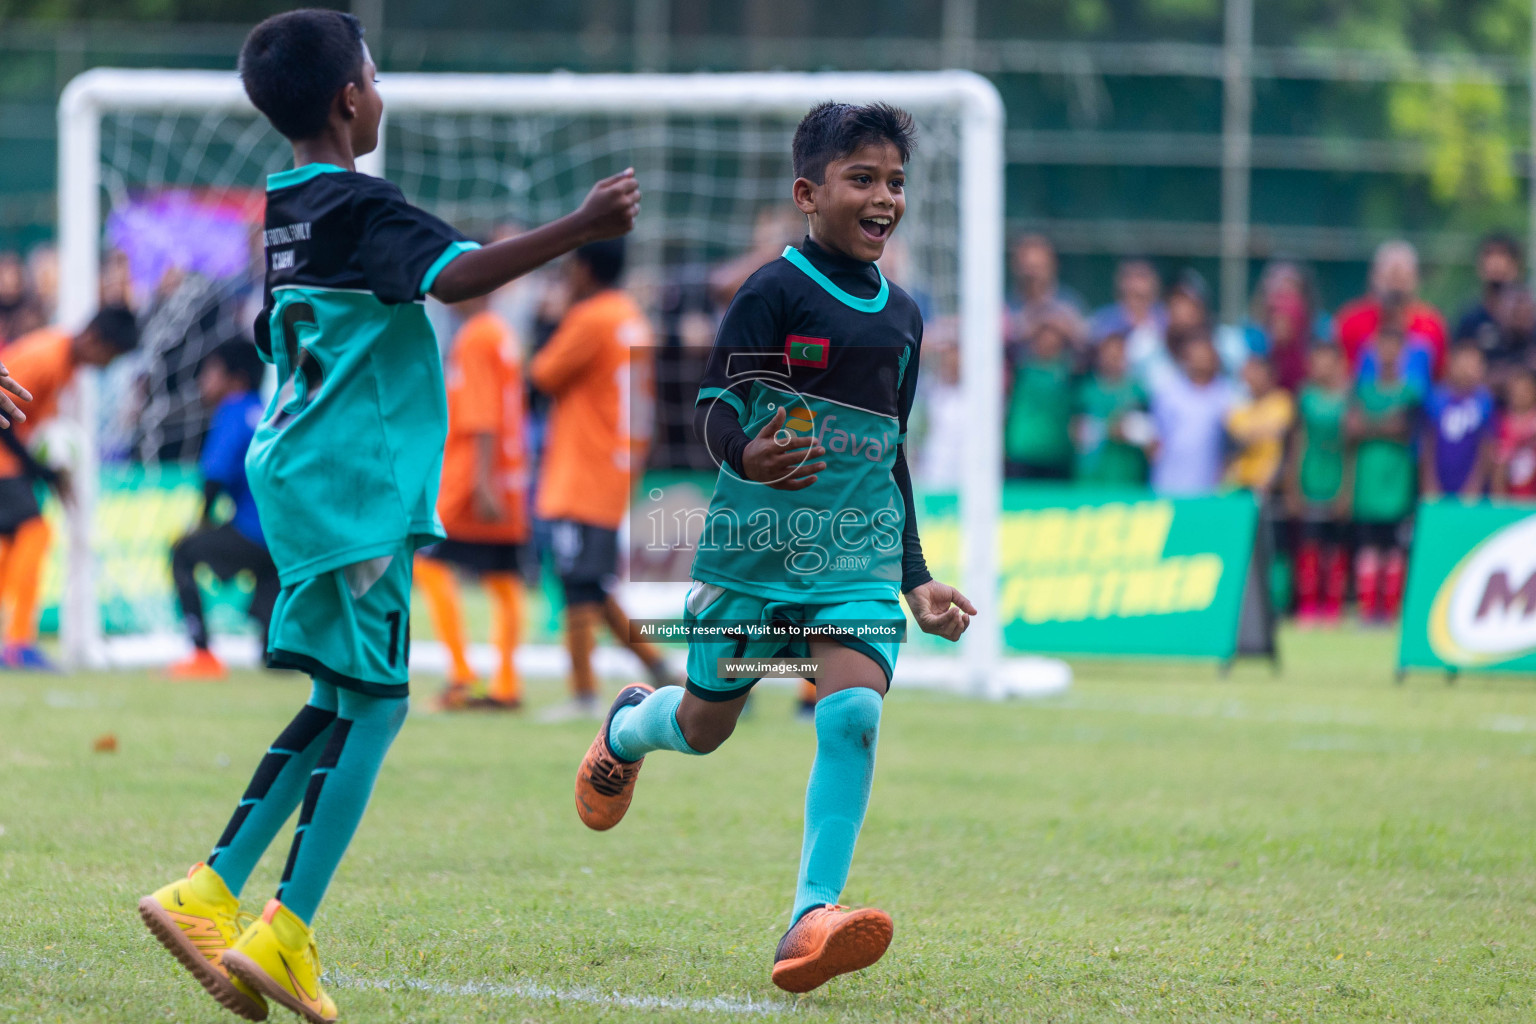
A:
[(310, 666)]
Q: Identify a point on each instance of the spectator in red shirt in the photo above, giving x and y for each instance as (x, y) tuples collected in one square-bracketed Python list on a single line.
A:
[(1282, 314), (1394, 277), (1515, 460)]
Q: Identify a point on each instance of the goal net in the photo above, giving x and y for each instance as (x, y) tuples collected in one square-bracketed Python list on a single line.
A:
[(161, 192)]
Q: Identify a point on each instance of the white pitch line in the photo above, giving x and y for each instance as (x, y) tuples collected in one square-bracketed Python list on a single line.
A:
[(497, 990), (588, 996)]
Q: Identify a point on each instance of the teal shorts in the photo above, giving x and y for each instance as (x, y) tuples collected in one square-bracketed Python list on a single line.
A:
[(709, 603), (350, 627)]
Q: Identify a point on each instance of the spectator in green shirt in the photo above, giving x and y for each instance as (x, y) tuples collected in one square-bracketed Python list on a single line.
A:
[(1317, 490), (1111, 426), (1381, 424), (1037, 442)]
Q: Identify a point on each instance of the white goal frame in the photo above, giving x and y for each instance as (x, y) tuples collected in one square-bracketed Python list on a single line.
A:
[(975, 103)]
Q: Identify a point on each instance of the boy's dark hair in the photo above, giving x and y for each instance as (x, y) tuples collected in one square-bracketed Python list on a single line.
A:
[(1503, 241), (239, 359), (604, 260), (832, 131), (294, 64), (116, 327), (1461, 345)]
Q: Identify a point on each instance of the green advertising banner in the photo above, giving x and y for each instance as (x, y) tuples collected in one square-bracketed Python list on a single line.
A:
[(1103, 572), (1471, 601), (140, 512), (1083, 570), (1110, 572)]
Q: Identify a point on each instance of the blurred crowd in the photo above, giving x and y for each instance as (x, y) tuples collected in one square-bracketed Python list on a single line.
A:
[(1338, 421)]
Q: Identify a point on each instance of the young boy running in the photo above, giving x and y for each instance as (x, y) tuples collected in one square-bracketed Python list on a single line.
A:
[(804, 406), (345, 467)]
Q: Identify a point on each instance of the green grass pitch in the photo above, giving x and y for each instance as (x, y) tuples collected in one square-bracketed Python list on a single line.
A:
[(1156, 845)]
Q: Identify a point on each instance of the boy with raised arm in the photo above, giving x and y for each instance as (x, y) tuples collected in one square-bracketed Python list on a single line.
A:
[(344, 467), (804, 406)]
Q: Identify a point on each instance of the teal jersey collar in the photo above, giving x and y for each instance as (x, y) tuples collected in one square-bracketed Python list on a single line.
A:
[(873, 305), (299, 175)]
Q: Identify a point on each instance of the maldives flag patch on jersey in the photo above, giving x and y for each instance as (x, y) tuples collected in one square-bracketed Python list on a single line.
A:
[(803, 351)]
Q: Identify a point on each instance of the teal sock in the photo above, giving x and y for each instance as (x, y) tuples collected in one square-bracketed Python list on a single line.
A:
[(847, 731), (649, 725), (275, 789), (339, 789)]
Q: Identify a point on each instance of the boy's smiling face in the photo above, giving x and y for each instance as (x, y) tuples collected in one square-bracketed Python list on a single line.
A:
[(857, 207)]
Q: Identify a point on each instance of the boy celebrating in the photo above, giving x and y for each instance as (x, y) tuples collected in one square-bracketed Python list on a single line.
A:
[(804, 406), (345, 467)]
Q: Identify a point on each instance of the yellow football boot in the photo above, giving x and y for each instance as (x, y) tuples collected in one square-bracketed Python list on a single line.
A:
[(276, 956), (197, 918)]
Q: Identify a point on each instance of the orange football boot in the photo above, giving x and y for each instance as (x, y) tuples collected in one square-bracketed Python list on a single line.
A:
[(605, 782), (829, 941), (198, 666)]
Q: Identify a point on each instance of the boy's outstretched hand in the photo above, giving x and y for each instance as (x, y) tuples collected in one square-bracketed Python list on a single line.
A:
[(611, 207), (608, 212), (940, 609), (8, 412), (783, 463)]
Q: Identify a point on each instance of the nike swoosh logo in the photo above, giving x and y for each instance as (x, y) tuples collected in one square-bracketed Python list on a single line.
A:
[(303, 992), (177, 894)]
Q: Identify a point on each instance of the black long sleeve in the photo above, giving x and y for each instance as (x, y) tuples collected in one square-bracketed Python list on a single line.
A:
[(914, 567), (719, 427)]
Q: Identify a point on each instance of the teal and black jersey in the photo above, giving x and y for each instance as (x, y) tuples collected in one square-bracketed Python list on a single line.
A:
[(833, 342), (345, 463)]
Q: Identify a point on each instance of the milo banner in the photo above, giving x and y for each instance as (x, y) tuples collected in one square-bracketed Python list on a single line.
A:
[(1111, 572), (1471, 601)]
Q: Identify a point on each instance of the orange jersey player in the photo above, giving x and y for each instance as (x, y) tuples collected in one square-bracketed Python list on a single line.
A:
[(45, 361), (593, 367), (483, 502)]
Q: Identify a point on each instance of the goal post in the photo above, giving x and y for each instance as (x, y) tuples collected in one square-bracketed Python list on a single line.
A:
[(459, 111)]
